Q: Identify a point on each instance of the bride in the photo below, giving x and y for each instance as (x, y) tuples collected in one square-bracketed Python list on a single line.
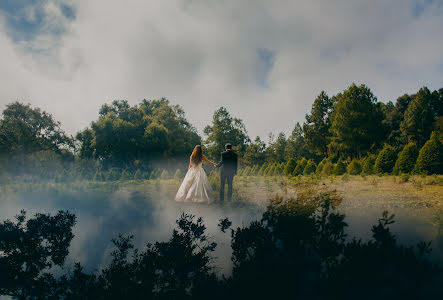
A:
[(195, 186)]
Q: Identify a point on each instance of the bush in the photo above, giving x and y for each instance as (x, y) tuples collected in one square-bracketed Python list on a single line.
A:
[(145, 175), (339, 168), (113, 174), (178, 175), (246, 171), (367, 165), (164, 175), (254, 171), (261, 171), (406, 159), (289, 167), (430, 158), (310, 167), (138, 175), (125, 175), (300, 167), (327, 168), (385, 160), (354, 168), (99, 176), (320, 166)]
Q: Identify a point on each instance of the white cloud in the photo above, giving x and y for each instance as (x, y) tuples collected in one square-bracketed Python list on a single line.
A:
[(203, 55)]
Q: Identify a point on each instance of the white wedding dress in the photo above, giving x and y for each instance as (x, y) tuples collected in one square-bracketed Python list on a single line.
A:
[(195, 187)]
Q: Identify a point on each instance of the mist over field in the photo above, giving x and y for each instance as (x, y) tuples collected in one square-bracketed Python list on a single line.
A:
[(151, 217), (103, 216)]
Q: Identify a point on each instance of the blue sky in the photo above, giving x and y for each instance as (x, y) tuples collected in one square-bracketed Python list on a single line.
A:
[(266, 62)]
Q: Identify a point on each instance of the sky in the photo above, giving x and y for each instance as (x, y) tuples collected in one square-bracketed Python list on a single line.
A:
[(265, 61)]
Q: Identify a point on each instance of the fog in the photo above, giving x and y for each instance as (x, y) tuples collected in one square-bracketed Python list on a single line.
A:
[(102, 216)]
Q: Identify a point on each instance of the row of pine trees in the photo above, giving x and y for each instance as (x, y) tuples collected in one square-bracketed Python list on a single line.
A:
[(427, 160)]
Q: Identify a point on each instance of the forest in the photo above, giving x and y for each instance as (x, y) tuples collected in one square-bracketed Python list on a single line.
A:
[(351, 132)]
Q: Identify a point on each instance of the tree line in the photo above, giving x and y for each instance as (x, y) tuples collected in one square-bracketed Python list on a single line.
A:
[(352, 127)]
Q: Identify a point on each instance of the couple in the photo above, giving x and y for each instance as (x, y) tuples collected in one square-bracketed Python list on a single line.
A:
[(195, 186)]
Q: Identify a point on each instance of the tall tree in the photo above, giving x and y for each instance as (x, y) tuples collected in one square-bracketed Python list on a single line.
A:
[(316, 128), (419, 118), (276, 149), (254, 153), (394, 115), (296, 145), (225, 129), (356, 122), (149, 131)]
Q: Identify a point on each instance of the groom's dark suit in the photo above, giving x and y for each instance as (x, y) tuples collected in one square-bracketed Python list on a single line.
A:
[(228, 168)]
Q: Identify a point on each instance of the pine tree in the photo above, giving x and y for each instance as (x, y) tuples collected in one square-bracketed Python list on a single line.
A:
[(367, 165), (354, 167), (339, 168), (178, 175), (164, 175), (430, 158), (261, 171), (289, 167), (320, 166), (406, 159), (301, 164), (385, 160), (310, 167), (327, 168), (138, 175)]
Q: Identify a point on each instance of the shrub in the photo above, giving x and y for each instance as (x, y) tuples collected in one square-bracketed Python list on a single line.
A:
[(301, 164), (113, 174), (99, 176), (367, 165), (261, 171), (385, 160), (310, 167), (138, 175), (164, 175), (178, 175), (266, 171), (406, 159), (125, 175), (289, 167), (327, 168), (254, 171), (339, 168), (320, 166), (279, 169), (246, 171), (354, 167), (153, 175), (430, 158)]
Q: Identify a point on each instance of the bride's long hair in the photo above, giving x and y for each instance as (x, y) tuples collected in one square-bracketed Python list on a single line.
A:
[(197, 155)]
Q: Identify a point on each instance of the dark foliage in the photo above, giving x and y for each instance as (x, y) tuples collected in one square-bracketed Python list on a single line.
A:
[(298, 248), (29, 249)]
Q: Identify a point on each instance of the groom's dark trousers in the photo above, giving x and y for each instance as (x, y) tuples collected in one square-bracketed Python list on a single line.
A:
[(228, 169)]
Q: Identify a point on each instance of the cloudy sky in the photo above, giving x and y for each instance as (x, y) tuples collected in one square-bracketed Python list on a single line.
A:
[(265, 61)]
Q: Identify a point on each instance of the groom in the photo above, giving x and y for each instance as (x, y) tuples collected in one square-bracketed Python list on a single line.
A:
[(228, 168)]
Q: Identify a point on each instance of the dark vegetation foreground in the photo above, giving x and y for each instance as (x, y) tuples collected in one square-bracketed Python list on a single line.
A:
[(298, 249)]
